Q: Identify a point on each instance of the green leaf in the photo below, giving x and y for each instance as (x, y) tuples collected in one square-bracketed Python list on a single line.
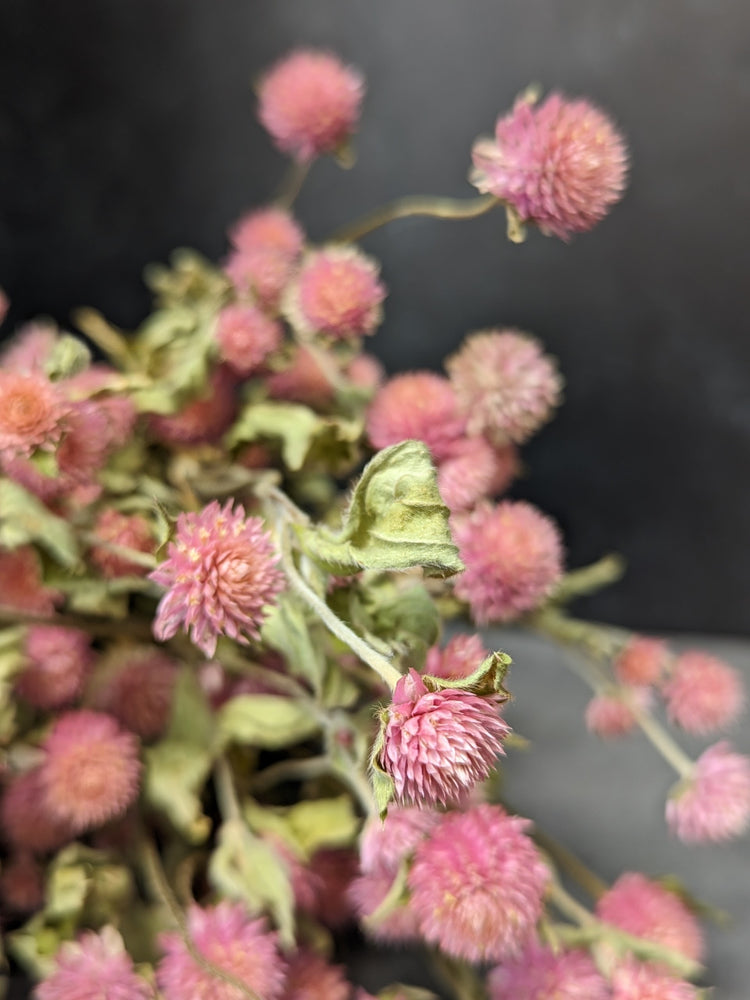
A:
[(175, 775), (406, 619), (189, 280), (487, 679), (266, 720), (309, 825), (191, 719), (396, 519), (69, 356), (85, 886), (382, 783), (25, 519), (286, 630)]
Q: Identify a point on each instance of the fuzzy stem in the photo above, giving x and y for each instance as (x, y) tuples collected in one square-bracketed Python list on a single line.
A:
[(589, 579), (403, 208), (291, 185), (226, 794), (661, 739), (107, 338)]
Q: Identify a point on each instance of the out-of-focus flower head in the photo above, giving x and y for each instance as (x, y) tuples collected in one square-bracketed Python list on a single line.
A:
[(703, 694), (21, 584), (641, 661), (310, 977), (476, 471), (27, 824), (419, 405), (246, 336), (460, 657), (30, 348), (33, 414), (135, 684), (203, 420), (609, 715), (267, 245), (94, 967), (713, 804), (22, 883), (633, 980), (539, 973), (128, 531), (302, 381), (58, 662)]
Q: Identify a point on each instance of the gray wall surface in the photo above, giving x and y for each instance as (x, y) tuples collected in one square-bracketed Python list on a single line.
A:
[(127, 128)]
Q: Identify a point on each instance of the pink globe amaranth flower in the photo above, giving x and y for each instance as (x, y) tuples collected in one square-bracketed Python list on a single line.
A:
[(477, 884), (386, 843), (30, 349), (22, 883), (703, 694), (302, 381), (226, 936), (116, 408), (96, 967), (475, 472), (21, 584), (438, 744), (203, 420), (246, 337), (58, 662), (398, 925), (135, 684), (609, 715), (560, 164), (460, 658), (513, 556), (310, 977), (129, 531), (505, 385), (220, 573), (633, 980), (641, 661), (714, 803), (27, 824), (84, 450), (268, 230), (366, 372), (310, 102), (91, 772), (337, 293), (539, 973), (334, 869), (418, 405), (33, 414)]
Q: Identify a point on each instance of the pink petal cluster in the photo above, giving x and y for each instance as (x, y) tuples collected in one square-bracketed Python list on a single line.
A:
[(91, 771), (58, 662), (117, 409), (460, 657), (477, 884), (703, 694), (366, 372), (336, 293), (539, 973), (246, 336), (93, 968), (634, 980), (439, 744), (310, 103), (27, 824), (128, 531), (310, 977), (560, 164), (475, 471), (226, 936), (29, 349), (642, 907), (714, 803), (33, 414), (513, 556), (505, 385), (642, 661), (609, 715), (135, 685), (418, 405), (220, 573), (203, 420), (267, 244), (21, 584), (302, 381)]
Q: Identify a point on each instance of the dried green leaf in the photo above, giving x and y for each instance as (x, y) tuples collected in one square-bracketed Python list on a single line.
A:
[(68, 357), (406, 619), (487, 679), (175, 774), (286, 630), (191, 719), (24, 519), (309, 825), (266, 720)]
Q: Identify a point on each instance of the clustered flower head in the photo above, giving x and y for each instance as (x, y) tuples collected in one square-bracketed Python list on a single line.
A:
[(538, 973), (460, 657), (419, 405), (642, 661), (115, 530), (59, 660), (703, 694), (246, 336), (633, 980), (609, 713), (94, 967), (267, 245), (712, 804)]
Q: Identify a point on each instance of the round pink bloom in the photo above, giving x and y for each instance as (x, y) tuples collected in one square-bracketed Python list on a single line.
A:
[(641, 661), (246, 337), (337, 293), (642, 907), (86, 446), (310, 977), (634, 980), (539, 973), (227, 937), (117, 409), (59, 660), (331, 872), (22, 883), (714, 803), (609, 715), (29, 349), (439, 744), (21, 585), (513, 556), (703, 694), (303, 381), (475, 472), (398, 925), (418, 405), (205, 419), (220, 573), (135, 684), (26, 823), (33, 414), (93, 968), (129, 531), (268, 229), (560, 164), (505, 385), (386, 843), (460, 658), (366, 372), (310, 102), (477, 884), (268, 243), (91, 772)]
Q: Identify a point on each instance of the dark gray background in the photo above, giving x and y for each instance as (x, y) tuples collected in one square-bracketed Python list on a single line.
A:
[(127, 128)]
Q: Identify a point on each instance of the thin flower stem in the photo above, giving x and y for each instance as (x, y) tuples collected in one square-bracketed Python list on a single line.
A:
[(106, 337), (589, 579), (226, 794), (661, 739), (404, 208), (135, 556), (292, 183)]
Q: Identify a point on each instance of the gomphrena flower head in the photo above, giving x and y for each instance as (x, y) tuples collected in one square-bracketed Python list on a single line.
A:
[(33, 414), (703, 694), (633, 980), (226, 936), (30, 348), (126, 531), (641, 661), (366, 372), (386, 843), (609, 713), (27, 824), (646, 909), (460, 657), (220, 573), (58, 662), (117, 409), (396, 923), (310, 103), (135, 684), (476, 471), (246, 336), (21, 584), (560, 164), (513, 556), (505, 385), (310, 977), (303, 381), (539, 973), (337, 292), (203, 420), (438, 744), (477, 884), (714, 803), (335, 868), (92, 968), (419, 405), (91, 771), (268, 230)]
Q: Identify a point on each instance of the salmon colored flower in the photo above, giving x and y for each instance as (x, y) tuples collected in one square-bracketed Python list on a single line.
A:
[(703, 694), (94, 968), (419, 405), (712, 804), (33, 414)]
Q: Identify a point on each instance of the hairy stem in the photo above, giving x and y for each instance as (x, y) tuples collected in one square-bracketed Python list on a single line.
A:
[(580, 582), (404, 208), (291, 185)]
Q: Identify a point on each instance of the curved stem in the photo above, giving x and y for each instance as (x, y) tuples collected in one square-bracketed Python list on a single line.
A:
[(226, 794), (404, 208), (292, 183), (587, 580)]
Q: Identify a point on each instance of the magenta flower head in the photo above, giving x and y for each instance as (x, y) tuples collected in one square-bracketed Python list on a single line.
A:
[(713, 804), (475, 471), (438, 744), (633, 980), (135, 684), (418, 405), (513, 556), (21, 584), (220, 573), (58, 661), (33, 414), (310, 977), (641, 661), (246, 336), (609, 715), (703, 694), (231, 940), (539, 973), (267, 244), (25, 822), (94, 967), (310, 103), (460, 657), (204, 419), (560, 164), (477, 884), (505, 385), (128, 531)]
